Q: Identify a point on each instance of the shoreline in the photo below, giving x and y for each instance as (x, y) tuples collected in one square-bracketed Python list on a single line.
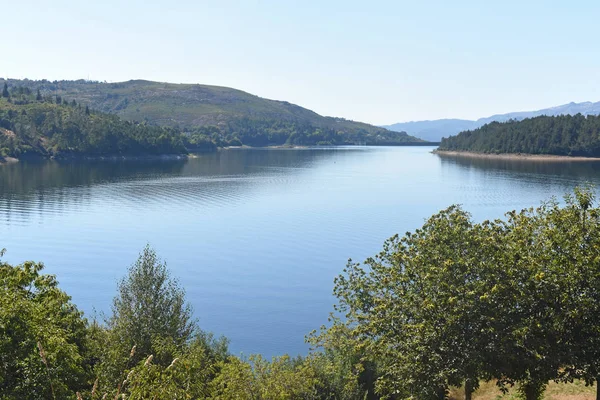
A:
[(183, 156), (512, 156), (115, 157), (8, 160)]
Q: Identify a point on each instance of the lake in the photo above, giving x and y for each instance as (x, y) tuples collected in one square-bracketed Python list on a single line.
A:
[(257, 236)]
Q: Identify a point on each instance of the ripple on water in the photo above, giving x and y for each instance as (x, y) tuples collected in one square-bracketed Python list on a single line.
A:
[(256, 237)]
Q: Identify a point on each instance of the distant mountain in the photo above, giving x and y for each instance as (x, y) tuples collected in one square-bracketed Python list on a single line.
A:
[(436, 129), (230, 114)]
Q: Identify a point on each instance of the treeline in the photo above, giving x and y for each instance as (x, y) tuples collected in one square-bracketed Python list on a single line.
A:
[(265, 132), (565, 135), (452, 304), (36, 125), (39, 119)]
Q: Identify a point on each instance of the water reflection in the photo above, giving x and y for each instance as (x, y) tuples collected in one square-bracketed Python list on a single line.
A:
[(28, 188), (523, 166)]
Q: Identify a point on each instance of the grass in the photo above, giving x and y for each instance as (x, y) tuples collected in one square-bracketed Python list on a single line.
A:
[(555, 391)]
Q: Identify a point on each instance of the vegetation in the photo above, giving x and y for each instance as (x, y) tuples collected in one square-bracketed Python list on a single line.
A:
[(440, 312), (55, 127), (457, 302), (209, 116), (564, 135)]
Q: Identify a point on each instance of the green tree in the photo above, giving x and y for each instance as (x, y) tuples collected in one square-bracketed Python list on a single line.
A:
[(187, 376), (572, 237), (260, 379), (42, 337), (5, 91), (149, 312), (345, 367), (455, 302), (419, 300)]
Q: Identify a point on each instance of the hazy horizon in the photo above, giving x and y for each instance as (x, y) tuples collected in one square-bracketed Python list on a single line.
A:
[(381, 63)]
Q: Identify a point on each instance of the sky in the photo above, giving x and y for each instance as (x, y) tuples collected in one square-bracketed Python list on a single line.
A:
[(379, 62)]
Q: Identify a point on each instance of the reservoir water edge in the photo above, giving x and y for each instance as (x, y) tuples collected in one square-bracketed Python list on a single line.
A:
[(255, 236)]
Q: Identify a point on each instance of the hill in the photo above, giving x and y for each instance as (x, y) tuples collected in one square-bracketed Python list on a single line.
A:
[(436, 129), (216, 111), (563, 135), (33, 125)]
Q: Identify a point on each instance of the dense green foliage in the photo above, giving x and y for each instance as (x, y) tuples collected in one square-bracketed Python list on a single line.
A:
[(565, 135), (223, 116), (43, 337), (149, 348), (51, 127), (457, 302), (454, 303)]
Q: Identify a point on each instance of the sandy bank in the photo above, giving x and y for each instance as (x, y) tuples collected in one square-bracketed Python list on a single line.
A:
[(511, 156), (8, 160)]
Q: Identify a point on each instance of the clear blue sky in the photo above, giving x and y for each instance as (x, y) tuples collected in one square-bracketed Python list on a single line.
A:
[(374, 61)]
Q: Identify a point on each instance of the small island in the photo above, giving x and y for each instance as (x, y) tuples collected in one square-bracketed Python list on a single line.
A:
[(566, 137)]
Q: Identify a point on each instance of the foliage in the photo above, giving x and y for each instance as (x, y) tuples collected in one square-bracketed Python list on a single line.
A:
[(45, 128), (346, 366), (150, 314), (566, 135), (455, 303), (42, 337), (280, 378), (233, 117)]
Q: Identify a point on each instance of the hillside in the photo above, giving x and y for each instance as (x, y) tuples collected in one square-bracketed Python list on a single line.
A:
[(229, 112), (434, 130), (563, 135), (33, 125)]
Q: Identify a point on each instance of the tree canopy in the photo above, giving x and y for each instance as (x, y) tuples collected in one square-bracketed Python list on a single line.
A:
[(43, 336), (565, 135), (456, 302)]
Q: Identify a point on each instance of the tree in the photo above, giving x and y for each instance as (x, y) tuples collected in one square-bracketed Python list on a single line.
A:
[(280, 378), (87, 110), (5, 91), (150, 313), (419, 301), (454, 302), (42, 336), (573, 237), (39, 97), (187, 376), (344, 365)]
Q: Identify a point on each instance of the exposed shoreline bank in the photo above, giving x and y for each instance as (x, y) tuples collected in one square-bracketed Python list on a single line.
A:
[(192, 154), (8, 160), (12, 160), (513, 156)]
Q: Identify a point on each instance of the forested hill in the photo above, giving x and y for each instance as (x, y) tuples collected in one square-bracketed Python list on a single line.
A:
[(33, 125), (566, 135), (215, 111), (436, 129)]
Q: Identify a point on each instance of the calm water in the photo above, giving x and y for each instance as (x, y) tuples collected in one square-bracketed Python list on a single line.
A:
[(255, 236)]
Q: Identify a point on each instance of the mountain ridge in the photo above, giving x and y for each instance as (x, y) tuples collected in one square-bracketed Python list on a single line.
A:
[(434, 130)]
